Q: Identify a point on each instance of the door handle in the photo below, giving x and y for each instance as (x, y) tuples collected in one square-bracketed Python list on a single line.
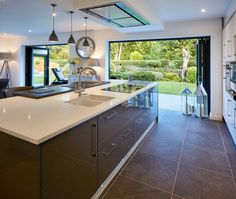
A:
[(234, 118), (94, 140), (113, 146), (107, 117), (229, 115)]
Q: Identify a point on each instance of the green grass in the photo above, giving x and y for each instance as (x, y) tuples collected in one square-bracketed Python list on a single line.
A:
[(175, 88)]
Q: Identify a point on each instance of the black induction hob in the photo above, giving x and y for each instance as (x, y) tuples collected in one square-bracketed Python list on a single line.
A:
[(125, 88)]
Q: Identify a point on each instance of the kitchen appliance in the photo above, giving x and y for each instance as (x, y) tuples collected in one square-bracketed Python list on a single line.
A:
[(230, 76), (125, 88), (227, 76)]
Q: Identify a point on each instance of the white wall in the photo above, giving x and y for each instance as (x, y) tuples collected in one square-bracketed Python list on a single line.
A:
[(13, 44), (212, 28)]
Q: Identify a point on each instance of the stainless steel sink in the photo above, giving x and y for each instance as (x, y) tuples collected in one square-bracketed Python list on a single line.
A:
[(90, 100)]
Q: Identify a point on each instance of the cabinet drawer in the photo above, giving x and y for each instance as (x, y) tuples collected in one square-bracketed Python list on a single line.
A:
[(142, 123), (113, 152), (131, 112)]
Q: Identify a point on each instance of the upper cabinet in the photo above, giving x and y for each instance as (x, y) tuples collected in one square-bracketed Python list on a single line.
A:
[(229, 41)]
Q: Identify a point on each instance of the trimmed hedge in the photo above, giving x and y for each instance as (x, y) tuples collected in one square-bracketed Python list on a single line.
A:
[(137, 75), (151, 63)]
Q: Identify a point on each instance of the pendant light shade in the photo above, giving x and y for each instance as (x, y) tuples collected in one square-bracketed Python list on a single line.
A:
[(85, 43), (71, 39), (53, 37)]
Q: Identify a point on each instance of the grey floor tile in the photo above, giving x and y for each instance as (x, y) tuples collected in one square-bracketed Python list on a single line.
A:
[(125, 188), (232, 160), (168, 131), (228, 142), (195, 183), (162, 148), (203, 140), (157, 172), (177, 197), (206, 158)]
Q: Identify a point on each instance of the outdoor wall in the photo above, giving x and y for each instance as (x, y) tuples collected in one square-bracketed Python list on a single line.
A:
[(212, 28)]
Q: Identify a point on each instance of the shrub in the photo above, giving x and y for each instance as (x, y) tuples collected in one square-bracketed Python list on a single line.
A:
[(172, 77), (137, 75), (191, 74), (136, 56), (158, 76)]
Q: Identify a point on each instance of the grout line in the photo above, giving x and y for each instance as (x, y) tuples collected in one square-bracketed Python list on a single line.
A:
[(207, 170), (231, 171), (141, 182), (181, 152)]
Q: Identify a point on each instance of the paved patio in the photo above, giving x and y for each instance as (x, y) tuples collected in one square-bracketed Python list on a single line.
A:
[(170, 102)]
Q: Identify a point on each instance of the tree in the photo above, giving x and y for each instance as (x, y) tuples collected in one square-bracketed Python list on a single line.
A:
[(136, 56)]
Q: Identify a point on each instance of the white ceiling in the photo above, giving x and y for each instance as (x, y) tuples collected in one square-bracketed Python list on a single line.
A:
[(18, 16)]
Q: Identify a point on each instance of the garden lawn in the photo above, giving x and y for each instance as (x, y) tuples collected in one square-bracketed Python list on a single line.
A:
[(175, 88)]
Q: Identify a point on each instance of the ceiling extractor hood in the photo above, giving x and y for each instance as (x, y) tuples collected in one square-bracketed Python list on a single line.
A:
[(117, 14)]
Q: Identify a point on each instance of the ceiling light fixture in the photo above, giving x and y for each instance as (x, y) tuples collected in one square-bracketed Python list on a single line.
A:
[(53, 37), (30, 30), (203, 10), (71, 39), (86, 43)]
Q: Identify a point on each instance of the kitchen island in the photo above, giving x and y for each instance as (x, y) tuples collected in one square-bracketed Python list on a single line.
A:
[(51, 148)]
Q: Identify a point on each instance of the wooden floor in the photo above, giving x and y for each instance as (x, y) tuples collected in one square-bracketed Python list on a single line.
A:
[(182, 158)]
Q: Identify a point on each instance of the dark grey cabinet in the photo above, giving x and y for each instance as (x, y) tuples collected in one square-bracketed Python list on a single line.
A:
[(69, 163), (19, 168), (113, 152)]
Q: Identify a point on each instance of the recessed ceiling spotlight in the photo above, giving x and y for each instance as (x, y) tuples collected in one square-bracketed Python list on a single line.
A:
[(30, 30), (203, 10)]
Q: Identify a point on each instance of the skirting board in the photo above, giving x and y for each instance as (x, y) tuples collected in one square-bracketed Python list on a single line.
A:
[(216, 117), (119, 166)]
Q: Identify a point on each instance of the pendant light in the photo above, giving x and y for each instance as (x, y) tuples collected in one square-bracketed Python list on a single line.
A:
[(71, 39), (53, 36), (86, 43)]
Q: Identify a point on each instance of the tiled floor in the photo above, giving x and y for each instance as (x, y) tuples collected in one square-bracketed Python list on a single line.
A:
[(182, 158)]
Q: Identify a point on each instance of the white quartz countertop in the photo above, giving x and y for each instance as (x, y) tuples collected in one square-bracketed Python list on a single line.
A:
[(38, 120)]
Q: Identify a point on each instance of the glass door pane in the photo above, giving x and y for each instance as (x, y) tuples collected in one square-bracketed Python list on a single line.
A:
[(38, 71), (40, 67)]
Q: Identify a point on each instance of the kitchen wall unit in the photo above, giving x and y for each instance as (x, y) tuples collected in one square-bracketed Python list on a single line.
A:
[(229, 54)]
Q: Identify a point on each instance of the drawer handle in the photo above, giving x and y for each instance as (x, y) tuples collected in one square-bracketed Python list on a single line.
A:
[(111, 115), (94, 140), (139, 121), (113, 146), (127, 134)]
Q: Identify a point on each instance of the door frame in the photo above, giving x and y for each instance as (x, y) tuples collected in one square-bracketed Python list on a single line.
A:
[(29, 64), (206, 69)]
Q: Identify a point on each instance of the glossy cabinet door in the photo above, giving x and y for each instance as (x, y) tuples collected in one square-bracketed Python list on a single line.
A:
[(69, 163), (149, 103), (19, 168), (113, 152)]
